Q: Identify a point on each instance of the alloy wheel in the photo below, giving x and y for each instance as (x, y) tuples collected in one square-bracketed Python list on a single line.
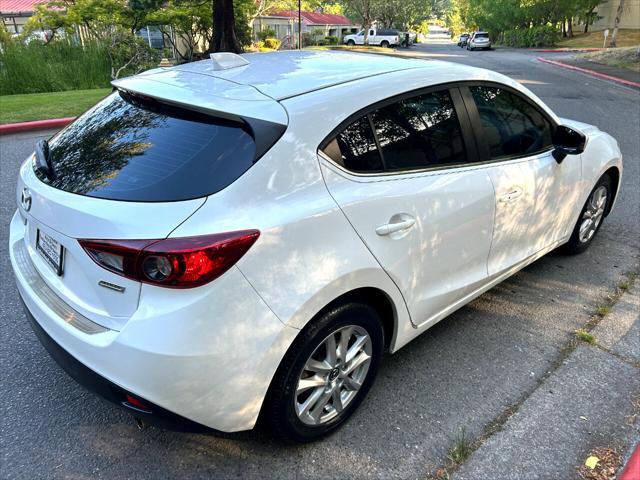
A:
[(593, 214), (333, 375)]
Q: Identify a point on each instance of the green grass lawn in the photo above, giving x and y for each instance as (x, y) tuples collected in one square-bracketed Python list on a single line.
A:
[(41, 106), (626, 38)]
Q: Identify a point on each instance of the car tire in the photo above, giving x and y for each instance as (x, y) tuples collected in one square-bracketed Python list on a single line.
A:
[(596, 207), (384, 44), (351, 43), (284, 408)]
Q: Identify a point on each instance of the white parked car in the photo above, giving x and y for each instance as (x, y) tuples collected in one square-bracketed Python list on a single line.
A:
[(243, 237), (380, 37), (479, 40)]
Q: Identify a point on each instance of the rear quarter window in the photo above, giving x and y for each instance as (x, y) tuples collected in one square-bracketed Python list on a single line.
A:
[(135, 149)]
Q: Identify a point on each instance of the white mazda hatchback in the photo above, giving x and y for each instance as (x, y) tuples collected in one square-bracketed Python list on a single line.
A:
[(242, 238)]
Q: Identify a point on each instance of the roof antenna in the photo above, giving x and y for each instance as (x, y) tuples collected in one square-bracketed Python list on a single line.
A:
[(227, 60)]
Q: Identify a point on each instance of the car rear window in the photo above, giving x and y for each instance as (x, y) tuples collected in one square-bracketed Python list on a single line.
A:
[(482, 35), (137, 149)]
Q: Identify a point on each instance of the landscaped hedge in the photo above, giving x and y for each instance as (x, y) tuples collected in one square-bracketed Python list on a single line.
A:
[(59, 66), (538, 36)]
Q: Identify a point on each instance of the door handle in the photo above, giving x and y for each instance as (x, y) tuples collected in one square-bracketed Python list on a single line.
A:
[(389, 228), (510, 196)]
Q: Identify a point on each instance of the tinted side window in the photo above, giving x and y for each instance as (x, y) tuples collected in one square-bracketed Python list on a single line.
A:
[(510, 125), (355, 148), (419, 132)]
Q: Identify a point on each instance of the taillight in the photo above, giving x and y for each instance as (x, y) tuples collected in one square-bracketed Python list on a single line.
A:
[(173, 262)]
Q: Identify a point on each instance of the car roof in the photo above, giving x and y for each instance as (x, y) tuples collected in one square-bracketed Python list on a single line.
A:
[(256, 90), (281, 75)]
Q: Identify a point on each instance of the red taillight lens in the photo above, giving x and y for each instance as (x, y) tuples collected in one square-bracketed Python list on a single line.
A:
[(173, 262)]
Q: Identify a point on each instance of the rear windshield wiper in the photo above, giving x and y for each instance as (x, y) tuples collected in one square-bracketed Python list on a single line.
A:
[(43, 159)]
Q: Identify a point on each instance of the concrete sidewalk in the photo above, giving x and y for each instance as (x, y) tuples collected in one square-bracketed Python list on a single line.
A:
[(588, 402)]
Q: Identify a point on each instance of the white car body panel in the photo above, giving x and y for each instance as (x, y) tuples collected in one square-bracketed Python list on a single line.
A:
[(209, 353), (526, 220), (443, 256)]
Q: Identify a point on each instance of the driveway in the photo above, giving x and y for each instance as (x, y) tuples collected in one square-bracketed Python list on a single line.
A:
[(469, 371)]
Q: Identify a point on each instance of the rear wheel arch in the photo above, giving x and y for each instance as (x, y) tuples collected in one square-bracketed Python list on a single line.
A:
[(375, 298)]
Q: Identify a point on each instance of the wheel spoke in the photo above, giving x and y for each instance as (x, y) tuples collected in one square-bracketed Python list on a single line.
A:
[(318, 408), (351, 384), (345, 335), (309, 403), (585, 226), (360, 359), (317, 366), (332, 353), (305, 384), (357, 346), (336, 396)]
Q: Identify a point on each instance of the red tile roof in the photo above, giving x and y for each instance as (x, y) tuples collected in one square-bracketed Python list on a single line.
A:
[(17, 6), (314, 18)]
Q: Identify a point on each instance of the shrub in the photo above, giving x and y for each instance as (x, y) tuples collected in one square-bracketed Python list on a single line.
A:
[(331, 40), (538, 36), (58, 66), (259, 44), (272, 43), (266, 33)]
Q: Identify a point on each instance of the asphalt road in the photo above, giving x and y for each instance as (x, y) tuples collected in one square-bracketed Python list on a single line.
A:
[(465, 372)]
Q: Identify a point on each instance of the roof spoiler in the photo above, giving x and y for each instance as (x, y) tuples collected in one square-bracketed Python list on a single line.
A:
[(218, 96)]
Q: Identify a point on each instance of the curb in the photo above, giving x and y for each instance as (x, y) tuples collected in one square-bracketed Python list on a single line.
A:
[(8, 128), (568, 50), (593, 73), (632, 469)]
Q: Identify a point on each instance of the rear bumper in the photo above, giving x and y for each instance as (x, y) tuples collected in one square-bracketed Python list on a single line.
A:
[(152, 414), (206, 354)]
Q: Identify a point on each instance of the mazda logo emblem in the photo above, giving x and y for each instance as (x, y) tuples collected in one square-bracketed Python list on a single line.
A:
[(25, 199)]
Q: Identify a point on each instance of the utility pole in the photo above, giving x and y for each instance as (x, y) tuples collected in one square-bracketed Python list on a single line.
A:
[(299, 24)]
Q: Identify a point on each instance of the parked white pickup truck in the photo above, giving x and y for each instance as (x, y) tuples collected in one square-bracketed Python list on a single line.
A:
[(384, 38)]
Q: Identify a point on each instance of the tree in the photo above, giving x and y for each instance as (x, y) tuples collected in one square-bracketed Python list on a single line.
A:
[(363, 11), (588, 15), (112, 23), (224, 28), (614, 35), (403, 14), (185, 24)]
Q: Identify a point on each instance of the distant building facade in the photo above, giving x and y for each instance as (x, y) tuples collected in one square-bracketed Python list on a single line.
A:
[(285, 24), (607, 11)]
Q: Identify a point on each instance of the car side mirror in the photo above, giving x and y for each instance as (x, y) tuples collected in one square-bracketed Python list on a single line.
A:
[(567, 141)]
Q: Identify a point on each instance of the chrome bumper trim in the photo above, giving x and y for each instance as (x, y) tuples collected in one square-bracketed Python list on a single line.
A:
[(49, 297)]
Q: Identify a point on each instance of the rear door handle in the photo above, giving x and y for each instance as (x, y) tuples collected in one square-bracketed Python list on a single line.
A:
[(510, 196), (389, 228)]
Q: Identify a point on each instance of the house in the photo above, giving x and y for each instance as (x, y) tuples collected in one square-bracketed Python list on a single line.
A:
[(285, 24), (15, 13)]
